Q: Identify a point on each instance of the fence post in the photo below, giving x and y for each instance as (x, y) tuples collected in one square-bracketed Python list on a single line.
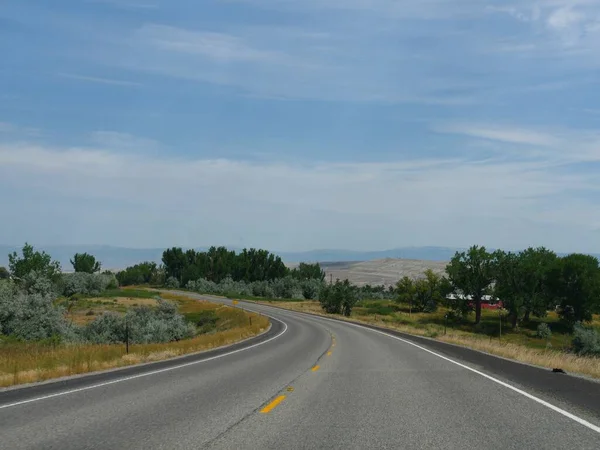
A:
[(126, 335)]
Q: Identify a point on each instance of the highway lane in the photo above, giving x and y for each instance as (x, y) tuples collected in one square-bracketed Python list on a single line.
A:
[(362, 389)]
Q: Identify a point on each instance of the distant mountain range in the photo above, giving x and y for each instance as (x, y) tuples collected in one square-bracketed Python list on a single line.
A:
[(121, 257)]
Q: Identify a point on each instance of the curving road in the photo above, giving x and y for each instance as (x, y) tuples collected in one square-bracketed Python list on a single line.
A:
[(310, 383)]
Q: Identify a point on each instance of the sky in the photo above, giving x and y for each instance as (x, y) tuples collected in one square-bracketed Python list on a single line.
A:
[(298, 125)]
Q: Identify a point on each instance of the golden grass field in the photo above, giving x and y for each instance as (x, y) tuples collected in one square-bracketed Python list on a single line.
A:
[(519, 346), (31, 362)]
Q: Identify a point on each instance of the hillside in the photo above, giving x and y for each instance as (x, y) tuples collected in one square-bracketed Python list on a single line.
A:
[(385, 271)]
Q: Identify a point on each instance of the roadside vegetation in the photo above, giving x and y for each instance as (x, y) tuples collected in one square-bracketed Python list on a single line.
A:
[(54, 324), (533, 306)]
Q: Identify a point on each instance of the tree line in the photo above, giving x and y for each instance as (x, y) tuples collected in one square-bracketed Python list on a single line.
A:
[(529, 282)]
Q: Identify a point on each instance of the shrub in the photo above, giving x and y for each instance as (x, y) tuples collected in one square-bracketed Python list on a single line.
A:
[(172, 283), (31, 316), (108, 328), (160, 324), (311, 288), (145, 325), (586, 341), (338, 298), (37, 283), (287, 287), (543, 331), (87, 283)]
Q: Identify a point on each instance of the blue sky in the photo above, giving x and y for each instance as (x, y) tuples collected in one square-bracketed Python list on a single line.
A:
[(294, 125)]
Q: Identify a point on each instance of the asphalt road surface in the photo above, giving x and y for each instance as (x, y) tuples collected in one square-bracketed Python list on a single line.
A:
[(311, 383)]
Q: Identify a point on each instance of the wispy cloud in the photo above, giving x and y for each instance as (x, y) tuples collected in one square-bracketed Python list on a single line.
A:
[(498, 133), (498, 193), (217, 46), (100, 80)]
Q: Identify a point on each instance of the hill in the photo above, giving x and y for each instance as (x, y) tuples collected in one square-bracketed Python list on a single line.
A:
[(385, 271)]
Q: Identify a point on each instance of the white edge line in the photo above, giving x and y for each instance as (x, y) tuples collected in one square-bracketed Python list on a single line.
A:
[(571, 416), (146, 374)]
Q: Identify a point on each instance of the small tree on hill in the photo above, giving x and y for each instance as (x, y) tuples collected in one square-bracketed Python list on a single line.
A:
[(31, 260), (4, 273), (86, 263), (306, 271)]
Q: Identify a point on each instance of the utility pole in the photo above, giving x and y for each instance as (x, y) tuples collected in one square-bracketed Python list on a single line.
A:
[(330, 279)]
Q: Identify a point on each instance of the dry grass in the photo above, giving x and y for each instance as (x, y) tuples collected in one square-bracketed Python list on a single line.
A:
[(509, 346), (32, 362)]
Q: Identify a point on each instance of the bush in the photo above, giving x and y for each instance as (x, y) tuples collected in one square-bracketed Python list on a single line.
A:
[(586, 341), (108, 328), (338, 298), (311, 288), (145, 325), (287, 287), (543, 331), (31, 316), (160, 324), (37, 283), (87, 283), (172, 283)]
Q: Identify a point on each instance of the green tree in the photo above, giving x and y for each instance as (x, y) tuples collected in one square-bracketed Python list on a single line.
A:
[(576, 281), (143, 273), (175, 263), (4, 273), (338, 298), (306, 271), (522, 282), (428, 291), (31, 260), (405, 291), (84, 262), (423, 294), (471, 273)]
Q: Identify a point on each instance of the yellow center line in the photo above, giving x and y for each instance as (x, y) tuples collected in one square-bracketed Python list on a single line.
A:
[(273, 404), (314, 369)]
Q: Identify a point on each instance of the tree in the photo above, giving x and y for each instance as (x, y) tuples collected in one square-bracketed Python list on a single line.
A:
[(510, 283), (471, 273), (428, 291), (175, 262), (142, 273), (406, 290), (338, 298), (576, 281), (86, 263), (522, 282), (4, 273), (32, 260), (306, 271), (423, 294)]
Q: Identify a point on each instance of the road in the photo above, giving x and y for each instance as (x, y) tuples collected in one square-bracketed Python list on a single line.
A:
[(311, 383)]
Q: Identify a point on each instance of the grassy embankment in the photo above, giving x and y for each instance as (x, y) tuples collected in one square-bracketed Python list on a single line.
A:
[(521, 345), (219, 325)]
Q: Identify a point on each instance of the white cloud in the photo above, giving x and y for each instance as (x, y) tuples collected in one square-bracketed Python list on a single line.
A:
[(406, 201), (499, 133), (565, 17), (217, 46)]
